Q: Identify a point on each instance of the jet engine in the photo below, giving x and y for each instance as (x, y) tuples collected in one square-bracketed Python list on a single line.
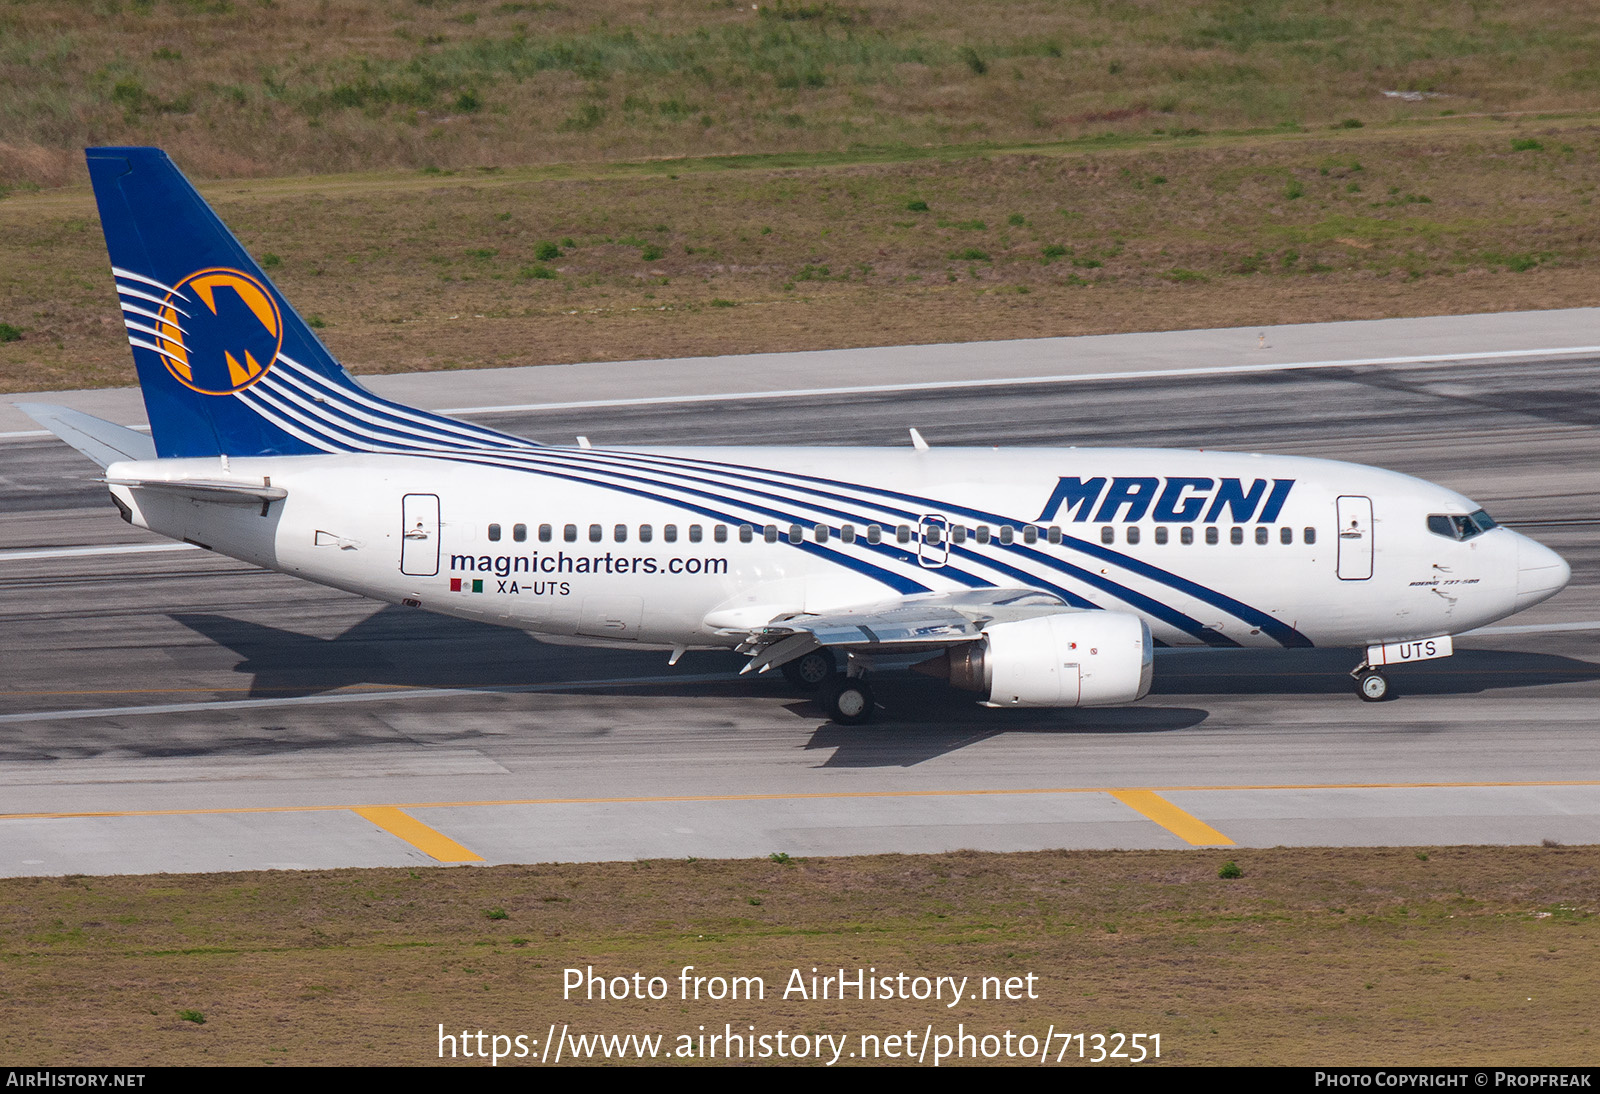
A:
[(1075, 659)]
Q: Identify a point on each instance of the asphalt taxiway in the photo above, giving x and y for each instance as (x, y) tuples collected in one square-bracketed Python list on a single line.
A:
[(164, 709)]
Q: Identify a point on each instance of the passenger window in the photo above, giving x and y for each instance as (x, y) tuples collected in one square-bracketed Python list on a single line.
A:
[(669, 533), (1286, 535), (1236, 535), (720, 533), (847, 533), (1108, 534), (874, 534), (1310, 535), (570, 533), (933, 534), (494, 533), (983, 533), (1161, 535), (646, 533), (596, 533), (1055, 533), (546, 533), (1261, 534), (796, 533), (902, 534), (694, 533), (519, 532), (958, 534), (1212, 537), (1186, 536), (770, 533), (820, 533), (1133, 534), (620, 533), (746, 533)]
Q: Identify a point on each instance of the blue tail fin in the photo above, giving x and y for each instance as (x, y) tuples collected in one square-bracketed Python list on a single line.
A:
[(226, 366)]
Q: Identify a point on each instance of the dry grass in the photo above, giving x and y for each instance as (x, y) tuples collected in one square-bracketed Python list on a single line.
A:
[(1463, 956), (266, 87), (428, 270)]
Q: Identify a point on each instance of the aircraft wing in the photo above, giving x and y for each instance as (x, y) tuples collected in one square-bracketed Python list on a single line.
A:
[(930, 622)]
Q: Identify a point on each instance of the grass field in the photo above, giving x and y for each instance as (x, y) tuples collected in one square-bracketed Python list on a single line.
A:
[(271, 87), (451, 185), (1460, 956), (417, 270)]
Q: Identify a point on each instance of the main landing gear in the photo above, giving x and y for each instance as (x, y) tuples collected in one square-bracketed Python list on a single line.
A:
[(848, 700), (810, 672), (1372, 685)]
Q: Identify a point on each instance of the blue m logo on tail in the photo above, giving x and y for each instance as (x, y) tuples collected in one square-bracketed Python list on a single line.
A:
[(226, 366)]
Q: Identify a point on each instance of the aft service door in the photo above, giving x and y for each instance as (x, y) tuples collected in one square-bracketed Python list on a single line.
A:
[(1355, 538), (419, 545)]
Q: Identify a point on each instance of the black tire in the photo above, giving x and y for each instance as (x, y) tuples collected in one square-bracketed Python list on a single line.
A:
[(849, 701), (1373, 686), (810, 672)]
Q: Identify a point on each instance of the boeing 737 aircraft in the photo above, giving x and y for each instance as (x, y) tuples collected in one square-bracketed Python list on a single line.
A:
[(1031, 577)]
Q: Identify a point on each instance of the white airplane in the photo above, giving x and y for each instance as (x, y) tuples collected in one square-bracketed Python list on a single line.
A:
[(1031, 577)]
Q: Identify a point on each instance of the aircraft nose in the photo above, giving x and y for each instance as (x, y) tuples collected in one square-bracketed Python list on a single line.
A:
[(1541, 573)]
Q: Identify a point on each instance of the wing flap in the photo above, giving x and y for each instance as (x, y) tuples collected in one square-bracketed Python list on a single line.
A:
[(909, 625)]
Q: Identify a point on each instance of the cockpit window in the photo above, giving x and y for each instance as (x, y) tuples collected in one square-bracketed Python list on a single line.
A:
[(1454, 527)]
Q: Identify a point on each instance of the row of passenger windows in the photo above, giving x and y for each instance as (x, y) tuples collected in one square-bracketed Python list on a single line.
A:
[(935, 534)]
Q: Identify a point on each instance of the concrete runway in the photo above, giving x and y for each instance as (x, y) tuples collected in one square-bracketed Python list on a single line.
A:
[(169, 710)]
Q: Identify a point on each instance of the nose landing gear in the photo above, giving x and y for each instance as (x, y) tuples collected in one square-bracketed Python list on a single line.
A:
[(1372, 685)]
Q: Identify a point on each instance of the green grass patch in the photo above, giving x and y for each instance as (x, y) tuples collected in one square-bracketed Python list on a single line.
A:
[(1347, 937)]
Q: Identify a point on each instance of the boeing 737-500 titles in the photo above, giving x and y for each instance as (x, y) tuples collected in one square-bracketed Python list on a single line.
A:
[(1028, 577)]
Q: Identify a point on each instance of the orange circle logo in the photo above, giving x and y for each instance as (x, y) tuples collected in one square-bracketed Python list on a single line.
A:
[(220, 331)]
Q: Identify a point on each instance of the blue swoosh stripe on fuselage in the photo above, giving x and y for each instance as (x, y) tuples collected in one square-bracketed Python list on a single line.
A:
[(1141, 602), (344, 428), (894, 581), (449, 429), (1276, 629)]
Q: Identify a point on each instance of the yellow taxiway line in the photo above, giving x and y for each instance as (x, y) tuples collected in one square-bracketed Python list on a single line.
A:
[(1190, 829), (430, 842), (1147, 801), (821, 796)]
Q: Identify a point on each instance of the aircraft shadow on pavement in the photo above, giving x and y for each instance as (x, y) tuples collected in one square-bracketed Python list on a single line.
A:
[(921, 719), (920, 722), (1327, 672), (402, 647)]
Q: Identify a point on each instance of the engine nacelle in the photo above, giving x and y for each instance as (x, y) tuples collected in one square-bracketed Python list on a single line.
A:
[(1076, 659)]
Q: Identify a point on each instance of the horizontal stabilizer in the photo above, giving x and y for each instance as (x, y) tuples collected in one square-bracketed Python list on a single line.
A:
[(218, 490), (103, 442)]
